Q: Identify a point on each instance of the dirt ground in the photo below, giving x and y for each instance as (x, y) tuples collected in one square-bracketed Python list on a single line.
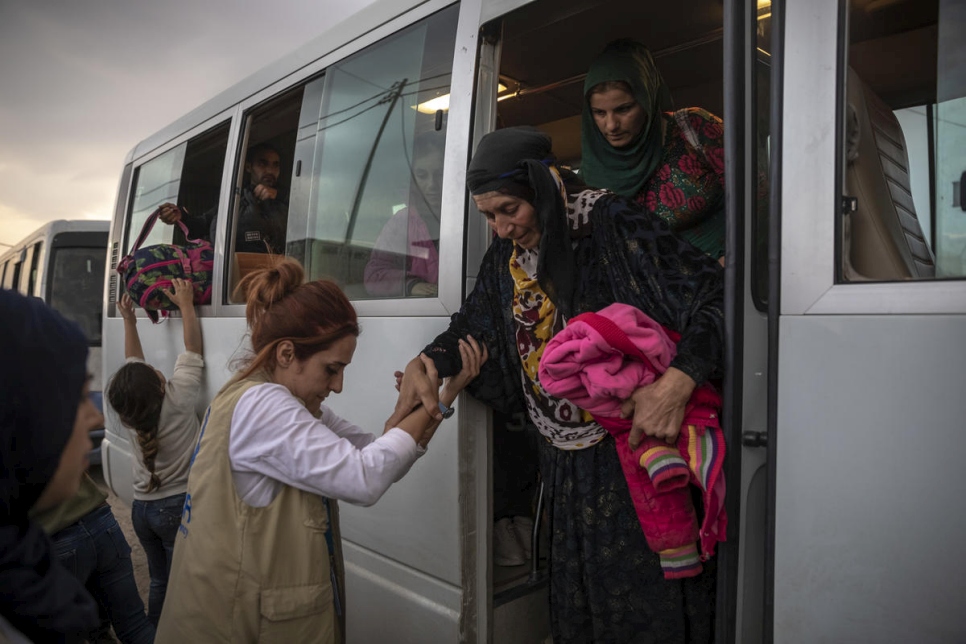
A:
[(122, 512)]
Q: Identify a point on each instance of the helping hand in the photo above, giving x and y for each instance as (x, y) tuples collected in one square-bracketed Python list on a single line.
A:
[(658, 408), (473, 355), (126, 308), (183, 295), (416, 388)]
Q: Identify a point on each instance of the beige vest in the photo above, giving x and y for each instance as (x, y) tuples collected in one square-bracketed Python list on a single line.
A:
[(245, 574)]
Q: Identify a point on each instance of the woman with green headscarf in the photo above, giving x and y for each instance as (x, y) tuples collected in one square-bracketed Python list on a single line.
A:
[(671, 163)]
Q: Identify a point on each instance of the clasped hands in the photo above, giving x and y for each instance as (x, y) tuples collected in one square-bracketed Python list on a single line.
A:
[(419, 384), (657, 409)]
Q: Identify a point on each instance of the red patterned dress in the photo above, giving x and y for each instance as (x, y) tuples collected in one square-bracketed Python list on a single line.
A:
[(687, 190)]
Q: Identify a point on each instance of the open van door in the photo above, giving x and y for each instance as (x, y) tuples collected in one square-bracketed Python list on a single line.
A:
[(866, 444)]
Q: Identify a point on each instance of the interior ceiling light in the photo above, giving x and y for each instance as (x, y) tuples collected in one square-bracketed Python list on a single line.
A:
[(438, 103), (764, 9)]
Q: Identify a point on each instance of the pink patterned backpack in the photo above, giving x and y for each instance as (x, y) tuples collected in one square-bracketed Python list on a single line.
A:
[(145, 271)]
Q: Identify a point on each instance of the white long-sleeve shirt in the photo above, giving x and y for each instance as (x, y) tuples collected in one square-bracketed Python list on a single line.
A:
[(276, 441)]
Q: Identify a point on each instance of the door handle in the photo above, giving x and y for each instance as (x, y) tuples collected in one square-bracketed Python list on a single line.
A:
[(754, 439)]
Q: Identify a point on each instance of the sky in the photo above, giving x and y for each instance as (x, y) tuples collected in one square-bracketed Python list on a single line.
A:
[(82, 81)]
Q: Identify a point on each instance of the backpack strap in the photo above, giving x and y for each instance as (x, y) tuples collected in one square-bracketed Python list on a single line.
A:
[(145, 230), (149, 226), (184, 229)]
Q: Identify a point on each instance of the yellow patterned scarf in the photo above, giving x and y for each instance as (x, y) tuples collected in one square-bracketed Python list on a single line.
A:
[(537, 320)]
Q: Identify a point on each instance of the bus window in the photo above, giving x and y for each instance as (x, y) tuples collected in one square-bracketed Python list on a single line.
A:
[(260, 208), (77, 287), (903, 145), (188, 175), (32, 285), (374, 212), (12, 280), (762, 137), (949, 127), (7, 276)]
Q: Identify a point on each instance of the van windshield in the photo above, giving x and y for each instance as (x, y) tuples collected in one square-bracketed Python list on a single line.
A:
[(77, 286)]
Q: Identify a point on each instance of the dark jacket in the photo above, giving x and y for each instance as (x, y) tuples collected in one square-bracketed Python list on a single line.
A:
[(41, 381), (262, 225)]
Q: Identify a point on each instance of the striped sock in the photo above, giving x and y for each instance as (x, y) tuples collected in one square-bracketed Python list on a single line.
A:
[(665, 467), (682, 562)]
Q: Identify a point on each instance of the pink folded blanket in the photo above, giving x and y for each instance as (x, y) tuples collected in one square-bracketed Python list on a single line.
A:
[(597, 362)]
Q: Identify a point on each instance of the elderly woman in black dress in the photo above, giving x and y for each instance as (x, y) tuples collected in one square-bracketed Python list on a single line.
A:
[(564, 250)]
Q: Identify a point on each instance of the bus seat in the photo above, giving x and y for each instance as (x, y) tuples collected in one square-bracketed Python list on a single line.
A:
[(883, 238)]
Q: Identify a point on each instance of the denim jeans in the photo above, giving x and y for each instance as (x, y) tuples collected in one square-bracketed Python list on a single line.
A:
[(95, 550), (156, 525)]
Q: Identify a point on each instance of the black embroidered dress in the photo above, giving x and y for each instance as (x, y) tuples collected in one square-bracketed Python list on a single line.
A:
[(606, 585)]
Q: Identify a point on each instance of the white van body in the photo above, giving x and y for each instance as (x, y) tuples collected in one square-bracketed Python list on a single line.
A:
[(63, 263), (842, 390)]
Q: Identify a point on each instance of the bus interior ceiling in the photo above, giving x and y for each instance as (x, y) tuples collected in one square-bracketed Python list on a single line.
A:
[(547, 47), (892, 47)]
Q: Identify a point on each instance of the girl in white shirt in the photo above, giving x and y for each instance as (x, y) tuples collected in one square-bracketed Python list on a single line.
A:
[(160, 415)]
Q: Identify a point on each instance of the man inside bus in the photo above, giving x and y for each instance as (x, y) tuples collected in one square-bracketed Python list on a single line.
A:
[(262, 212)]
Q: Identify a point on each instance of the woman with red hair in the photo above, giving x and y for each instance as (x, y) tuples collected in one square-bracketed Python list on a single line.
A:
[(257, 557)]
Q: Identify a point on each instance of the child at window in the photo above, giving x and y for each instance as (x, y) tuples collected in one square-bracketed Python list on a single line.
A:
[(161, 418)]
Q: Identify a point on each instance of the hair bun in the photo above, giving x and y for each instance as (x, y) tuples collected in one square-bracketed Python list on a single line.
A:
[(264, 287)]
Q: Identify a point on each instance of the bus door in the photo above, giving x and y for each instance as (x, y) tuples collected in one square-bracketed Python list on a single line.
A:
[(869, 319), (718, 58), (749, 88)]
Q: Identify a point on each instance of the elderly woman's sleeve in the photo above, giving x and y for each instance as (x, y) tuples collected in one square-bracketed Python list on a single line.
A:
[(483, 316), (670, 280)]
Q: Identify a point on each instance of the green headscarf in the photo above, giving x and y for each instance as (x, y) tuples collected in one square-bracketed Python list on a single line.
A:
[(624, 170)]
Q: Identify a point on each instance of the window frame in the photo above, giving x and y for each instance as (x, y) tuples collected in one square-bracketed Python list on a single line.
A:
[(122, 223), (35, 276), (75, 241), (451, 236), (810, 218)]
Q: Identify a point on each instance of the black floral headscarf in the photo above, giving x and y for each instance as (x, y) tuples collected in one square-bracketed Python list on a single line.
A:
[(522, 155)]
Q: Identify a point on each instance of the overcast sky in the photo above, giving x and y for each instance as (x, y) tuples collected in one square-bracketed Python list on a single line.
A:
[(82, 81)]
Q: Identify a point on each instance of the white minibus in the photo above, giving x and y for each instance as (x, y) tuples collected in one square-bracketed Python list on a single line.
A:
[(63, 263), (845, 152)]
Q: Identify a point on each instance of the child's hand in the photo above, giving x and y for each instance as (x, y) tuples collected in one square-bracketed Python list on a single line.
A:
[(126, 308), (183, 295), (474, 355)]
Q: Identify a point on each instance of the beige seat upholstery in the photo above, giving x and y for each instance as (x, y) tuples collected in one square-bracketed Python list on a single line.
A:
[(882, 240)]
